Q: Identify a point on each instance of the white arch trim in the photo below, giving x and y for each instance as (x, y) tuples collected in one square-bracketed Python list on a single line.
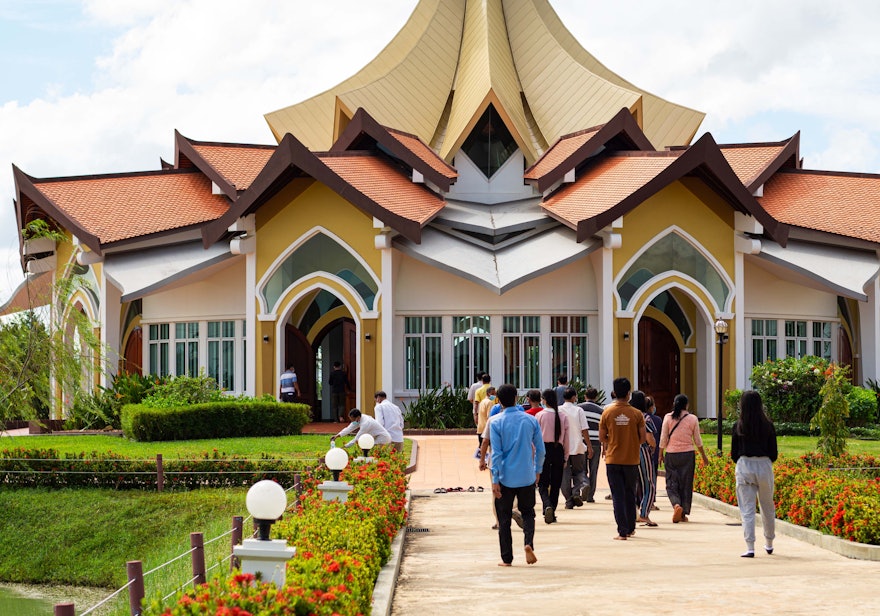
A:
[(288, 309), (292, 247), (317, 275), (674, 285), (699, 248), (642, 298)]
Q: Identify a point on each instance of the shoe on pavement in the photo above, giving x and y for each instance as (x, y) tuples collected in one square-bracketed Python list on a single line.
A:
[(768, 549), (549, 518), (608, 497), (590, 500), (477, 453), (578, 502), (677, 514), (569, 505), (748, 554), (585, 492), (517, 517)]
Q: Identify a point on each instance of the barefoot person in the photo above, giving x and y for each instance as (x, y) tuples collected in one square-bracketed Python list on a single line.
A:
[(753, 448), (517, 460)]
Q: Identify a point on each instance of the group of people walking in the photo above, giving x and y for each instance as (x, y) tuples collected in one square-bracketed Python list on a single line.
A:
[(554, 447)]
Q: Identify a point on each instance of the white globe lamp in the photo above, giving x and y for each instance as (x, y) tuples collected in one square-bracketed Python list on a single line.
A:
[(366, 442), (266, 501), (336, 459)]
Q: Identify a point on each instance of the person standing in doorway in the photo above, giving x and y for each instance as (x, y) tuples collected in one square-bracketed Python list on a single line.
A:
[(289, 387), (389, 417), (339, 387), (622, 431), (593, 413), (517, 460), (754, 450), (678, 438)]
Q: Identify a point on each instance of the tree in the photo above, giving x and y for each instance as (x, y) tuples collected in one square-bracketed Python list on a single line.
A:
[(831, 417), (24, 368)]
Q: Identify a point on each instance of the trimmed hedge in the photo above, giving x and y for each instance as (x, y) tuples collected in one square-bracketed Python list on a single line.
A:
[(789, 428), (837, 496), (226, 419), (31, 468), (340, 549)]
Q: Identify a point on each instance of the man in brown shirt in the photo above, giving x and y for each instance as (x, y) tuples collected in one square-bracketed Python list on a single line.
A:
[(621, 432)]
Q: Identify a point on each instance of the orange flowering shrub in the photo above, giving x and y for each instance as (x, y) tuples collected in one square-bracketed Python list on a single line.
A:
[(340, 549), (835, 495)]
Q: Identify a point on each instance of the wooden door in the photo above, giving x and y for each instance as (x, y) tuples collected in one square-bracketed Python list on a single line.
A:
[(659, 359), (845, 353), (349, 360), (298, 351), (131, 363)]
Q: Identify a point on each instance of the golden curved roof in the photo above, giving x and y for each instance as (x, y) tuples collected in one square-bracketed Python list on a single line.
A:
[(453, 58)]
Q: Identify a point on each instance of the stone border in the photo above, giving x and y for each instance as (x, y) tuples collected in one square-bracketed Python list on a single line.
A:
[(850, 549), (386, 582)]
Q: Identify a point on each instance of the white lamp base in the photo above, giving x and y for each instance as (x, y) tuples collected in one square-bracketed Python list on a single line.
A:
[(265, 559), (335, 490)]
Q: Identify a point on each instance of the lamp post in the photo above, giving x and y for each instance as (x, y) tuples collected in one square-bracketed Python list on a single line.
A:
[(721, 328), (265, 558), (366, 442), (336, 459)]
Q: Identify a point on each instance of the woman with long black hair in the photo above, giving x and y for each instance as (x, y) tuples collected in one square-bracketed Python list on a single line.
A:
[(754, 450), (554, 428), (679, 436), (647, 488)]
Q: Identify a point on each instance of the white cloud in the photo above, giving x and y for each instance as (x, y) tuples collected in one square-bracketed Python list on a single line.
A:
[(761, 69)]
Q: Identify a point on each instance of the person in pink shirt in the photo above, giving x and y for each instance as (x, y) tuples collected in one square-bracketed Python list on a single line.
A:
[(554, 432), (679, 436)]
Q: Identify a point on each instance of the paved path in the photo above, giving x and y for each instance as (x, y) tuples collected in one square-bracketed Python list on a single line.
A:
[(691, 568)]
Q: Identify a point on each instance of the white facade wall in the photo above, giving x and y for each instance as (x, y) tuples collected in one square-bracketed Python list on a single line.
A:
[(218, 296), (768, 296)]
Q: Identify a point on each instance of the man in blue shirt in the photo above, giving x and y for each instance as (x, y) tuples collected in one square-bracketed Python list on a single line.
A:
[(517, 460)]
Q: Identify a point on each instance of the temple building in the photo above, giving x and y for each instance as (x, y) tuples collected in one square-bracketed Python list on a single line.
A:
[(483, 195)]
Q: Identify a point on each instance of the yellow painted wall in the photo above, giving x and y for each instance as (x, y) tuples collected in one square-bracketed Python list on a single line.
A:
[(298, 208), (699, 212)]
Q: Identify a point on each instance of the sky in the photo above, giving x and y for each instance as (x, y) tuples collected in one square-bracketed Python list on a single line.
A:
[(99, 86)]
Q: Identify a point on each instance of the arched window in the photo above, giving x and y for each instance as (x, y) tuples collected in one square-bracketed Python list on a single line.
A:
[(672, 253), (321, 253)]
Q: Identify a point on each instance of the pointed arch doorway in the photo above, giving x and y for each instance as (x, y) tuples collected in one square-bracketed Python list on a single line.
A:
[(659, 370)]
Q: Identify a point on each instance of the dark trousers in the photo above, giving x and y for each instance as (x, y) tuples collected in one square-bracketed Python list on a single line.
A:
[(623, 480), (337, 401), (593, 470), (525, 500), (680, 478), (551, 475)]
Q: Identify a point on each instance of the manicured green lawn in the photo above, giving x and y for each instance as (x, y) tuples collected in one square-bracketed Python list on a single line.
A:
[(796, 445), (277, 447)]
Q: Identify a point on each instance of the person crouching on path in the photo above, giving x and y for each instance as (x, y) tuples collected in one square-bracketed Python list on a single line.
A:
[(517, 460)]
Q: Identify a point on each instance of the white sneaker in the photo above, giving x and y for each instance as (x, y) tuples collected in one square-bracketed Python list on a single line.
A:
[(477, 453)]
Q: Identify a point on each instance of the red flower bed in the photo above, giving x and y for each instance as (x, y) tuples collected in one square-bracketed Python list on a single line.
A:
[(837, 496), (340, 549)]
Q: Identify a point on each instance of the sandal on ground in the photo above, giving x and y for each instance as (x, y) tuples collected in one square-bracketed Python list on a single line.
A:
[(649, 523), (480, 488), (440, 491), (471, 489)]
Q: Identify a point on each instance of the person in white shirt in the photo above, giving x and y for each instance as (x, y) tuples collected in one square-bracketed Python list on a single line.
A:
[(575, 484), (391, 417), (363, 424)]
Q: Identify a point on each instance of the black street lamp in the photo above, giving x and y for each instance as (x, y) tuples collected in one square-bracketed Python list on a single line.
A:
[(721, 328)]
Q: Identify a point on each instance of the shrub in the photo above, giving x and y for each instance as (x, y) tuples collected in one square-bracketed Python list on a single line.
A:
[(440, 408), (101, 408), (227, 418), (340, 550), (790, 387), (862, 406), (831, 417), (181, 390), (814, 490), (731, 403)]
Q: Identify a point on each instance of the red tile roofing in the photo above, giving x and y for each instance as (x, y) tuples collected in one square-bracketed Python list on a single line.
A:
[(239, 164), (121, 207), (386, 186), (425, 153), (749, 161), (605, 185), (845, 204), (559, 152)]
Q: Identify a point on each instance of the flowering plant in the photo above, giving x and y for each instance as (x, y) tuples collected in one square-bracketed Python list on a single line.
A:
[(835, 495)]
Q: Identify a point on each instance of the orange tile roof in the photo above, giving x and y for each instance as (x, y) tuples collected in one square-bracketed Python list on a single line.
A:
[(749, 161), (120, 207), (605, 185), (425, 153), (384, 185), (845, 204), (559, 152), (239, 164)]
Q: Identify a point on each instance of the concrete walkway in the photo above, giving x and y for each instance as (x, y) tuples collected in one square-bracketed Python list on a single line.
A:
[(451, 555)]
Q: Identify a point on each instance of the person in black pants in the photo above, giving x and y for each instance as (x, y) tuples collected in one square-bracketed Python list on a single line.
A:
[(554, 431)]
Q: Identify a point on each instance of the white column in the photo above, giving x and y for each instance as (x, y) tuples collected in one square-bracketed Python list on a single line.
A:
[(382, 243), (250, 323), (604, 284), (741, 368), (110, 319), (869, 318)]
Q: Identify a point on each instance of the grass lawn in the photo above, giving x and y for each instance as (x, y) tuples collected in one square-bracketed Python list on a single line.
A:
[(796, 445)]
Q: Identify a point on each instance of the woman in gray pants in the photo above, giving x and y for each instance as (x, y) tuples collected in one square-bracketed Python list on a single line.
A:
[(753, 448)]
